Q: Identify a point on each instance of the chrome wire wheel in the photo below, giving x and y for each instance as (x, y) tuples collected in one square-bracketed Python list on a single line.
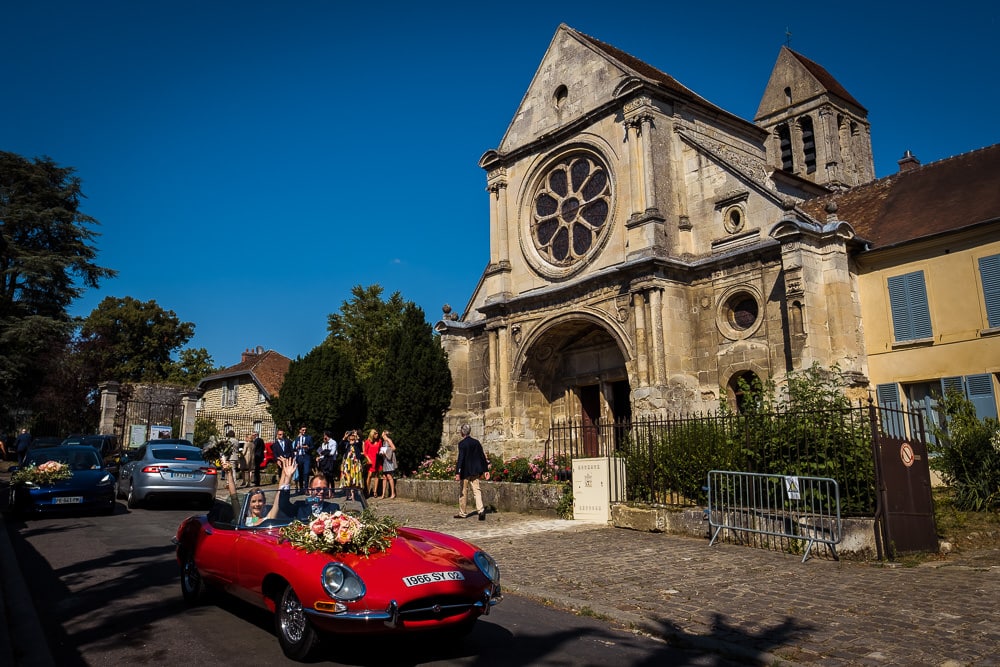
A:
[(295, 634)]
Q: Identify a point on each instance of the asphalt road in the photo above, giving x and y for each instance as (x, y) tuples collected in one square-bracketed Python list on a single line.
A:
[(107, 592)]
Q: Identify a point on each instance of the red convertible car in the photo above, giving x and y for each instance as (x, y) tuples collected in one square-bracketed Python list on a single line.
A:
[(412, 581)]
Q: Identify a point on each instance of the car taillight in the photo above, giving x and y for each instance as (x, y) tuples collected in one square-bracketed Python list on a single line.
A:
[(155, 468), (210, 471)]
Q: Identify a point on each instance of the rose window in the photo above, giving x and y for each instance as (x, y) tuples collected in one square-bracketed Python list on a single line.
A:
[(571, 209)]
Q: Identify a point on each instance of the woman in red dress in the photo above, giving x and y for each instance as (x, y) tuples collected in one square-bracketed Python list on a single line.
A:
[(373, 462)]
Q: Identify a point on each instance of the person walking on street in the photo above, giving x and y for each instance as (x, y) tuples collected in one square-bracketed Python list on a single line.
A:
[(256, 445), (21, 445), (472, 466), (303, 458)]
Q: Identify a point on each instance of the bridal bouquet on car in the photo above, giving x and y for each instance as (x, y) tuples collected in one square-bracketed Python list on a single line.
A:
[(342, 533), (45, 474)]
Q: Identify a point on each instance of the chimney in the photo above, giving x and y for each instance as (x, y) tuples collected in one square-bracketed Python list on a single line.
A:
[(908, 162), (248, 354)]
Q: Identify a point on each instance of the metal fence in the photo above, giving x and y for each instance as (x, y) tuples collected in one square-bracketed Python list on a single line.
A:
[(667, 459), (776, 511)]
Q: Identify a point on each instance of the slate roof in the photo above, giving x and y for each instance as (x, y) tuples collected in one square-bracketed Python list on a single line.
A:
[(945, 196), (825, 79), (267, 369)]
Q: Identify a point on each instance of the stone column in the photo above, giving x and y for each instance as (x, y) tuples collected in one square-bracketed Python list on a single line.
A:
[(493, 380), (189, 407), (109, 406), (503, 352), (656, 333), (641, 355), (645, 125)]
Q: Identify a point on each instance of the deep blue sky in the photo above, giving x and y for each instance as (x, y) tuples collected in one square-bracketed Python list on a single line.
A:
[(250, 162)]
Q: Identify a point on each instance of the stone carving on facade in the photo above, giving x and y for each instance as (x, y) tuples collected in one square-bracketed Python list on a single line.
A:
[(754, 169)]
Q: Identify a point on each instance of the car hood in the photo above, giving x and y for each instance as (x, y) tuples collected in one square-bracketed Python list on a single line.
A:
[(80, 479)]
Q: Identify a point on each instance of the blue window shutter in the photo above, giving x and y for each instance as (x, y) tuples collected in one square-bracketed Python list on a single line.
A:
[(911, 318), (887, 396), (952, 383), (980, 392), (989, 271)]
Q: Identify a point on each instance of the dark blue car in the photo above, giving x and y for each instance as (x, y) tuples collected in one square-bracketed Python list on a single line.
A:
[(89, 486)]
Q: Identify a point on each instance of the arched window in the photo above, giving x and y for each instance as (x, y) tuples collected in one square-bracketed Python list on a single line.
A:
[(785, 145), (808, 143)]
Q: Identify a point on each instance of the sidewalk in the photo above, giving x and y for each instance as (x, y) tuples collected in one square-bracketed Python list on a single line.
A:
[(756, 606)]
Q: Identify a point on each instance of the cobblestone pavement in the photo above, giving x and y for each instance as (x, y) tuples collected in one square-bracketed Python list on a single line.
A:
[(762, 606)]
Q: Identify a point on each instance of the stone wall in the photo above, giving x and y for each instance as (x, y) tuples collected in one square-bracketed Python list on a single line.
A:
[(858, 541)]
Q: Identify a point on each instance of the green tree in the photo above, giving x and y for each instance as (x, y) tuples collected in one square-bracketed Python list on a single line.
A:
[(46, 262), (362, 327), (191, 366), (320, 391), (411, 391), (129, 340)]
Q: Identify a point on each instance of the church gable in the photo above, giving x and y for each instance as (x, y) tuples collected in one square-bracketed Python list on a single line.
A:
[(572, 80)]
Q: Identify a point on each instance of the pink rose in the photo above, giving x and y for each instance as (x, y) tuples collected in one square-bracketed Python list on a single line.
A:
[(318, 526)]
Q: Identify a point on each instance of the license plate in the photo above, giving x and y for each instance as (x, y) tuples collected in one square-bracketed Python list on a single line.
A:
[(182, 475), (433, 577), (67, 500)]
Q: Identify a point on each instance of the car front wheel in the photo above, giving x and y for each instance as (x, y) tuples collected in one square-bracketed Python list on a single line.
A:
[(192, 585), (296, 635)]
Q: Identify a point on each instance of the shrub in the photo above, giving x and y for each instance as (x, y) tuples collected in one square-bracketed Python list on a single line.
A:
[(967, 454)]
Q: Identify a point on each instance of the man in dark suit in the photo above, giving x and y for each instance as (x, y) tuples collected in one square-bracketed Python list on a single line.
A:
[(257, 444), (281, 448), (303, 457), (471, 467)]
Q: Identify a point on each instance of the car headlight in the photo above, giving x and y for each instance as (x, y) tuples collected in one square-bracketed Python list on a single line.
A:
[(342, 583), (487, 566), (107, 480)]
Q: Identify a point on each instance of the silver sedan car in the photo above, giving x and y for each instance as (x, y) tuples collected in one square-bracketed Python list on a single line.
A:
[(166, 469)]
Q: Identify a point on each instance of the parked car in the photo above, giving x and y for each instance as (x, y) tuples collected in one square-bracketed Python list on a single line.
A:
[(44, 441), (90, 485), (166, 468), (106, 446), (423, 581)]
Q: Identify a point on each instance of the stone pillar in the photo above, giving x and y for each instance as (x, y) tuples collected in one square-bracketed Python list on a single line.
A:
[(503, 352), (656, 333), (499, 216), (641, 355), (189, 407), (109, 406), (492, 374), (645, 122)]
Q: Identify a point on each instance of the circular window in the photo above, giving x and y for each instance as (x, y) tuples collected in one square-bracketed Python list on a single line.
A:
[(734, 219), (742, 312), (739, 314), (570, 209)]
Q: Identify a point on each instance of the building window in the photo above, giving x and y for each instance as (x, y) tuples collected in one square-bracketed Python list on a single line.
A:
[(229, 394), (925, 398), (739, 314), (261, 398), (989, 273), (571, 209), (911, 318), (734, 219), (808, 143), (785, 146)]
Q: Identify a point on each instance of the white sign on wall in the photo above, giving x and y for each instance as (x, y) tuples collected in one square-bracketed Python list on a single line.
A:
[(597, 482)]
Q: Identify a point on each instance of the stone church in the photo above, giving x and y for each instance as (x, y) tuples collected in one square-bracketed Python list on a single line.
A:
[(648, 249)]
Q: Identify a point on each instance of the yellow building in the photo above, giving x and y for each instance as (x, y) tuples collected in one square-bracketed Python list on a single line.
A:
[(929, 280)]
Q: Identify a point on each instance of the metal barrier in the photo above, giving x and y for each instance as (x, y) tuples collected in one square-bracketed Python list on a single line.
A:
[(786, 507)]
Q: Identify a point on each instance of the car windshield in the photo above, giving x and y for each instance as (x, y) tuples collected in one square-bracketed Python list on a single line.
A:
[(255, 515), (177, 454), (76, 459)]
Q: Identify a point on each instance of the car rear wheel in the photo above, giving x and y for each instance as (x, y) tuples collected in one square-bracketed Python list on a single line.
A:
[(296, 635), (192, 585), (133, 500)]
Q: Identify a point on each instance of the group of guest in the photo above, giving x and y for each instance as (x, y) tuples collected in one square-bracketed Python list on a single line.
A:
[(369, 467)]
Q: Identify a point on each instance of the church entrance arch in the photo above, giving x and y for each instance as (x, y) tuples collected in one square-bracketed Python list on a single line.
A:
[(578, 371)]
